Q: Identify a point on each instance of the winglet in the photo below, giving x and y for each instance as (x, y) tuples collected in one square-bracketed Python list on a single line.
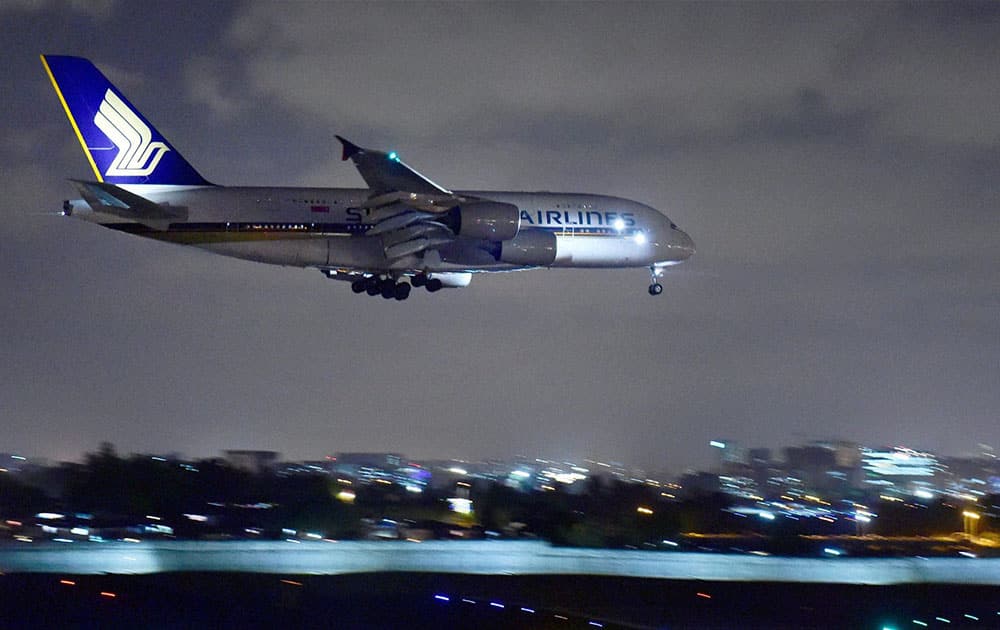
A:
[(350, 149)]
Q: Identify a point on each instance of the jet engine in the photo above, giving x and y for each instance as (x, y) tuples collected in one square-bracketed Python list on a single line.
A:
[(489, 220), (530, 247)]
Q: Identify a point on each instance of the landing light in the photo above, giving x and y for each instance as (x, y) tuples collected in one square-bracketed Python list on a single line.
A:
[(619, 224), (640, 238)]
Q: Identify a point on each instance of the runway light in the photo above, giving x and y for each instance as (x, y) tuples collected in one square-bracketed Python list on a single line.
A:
[(528, 610), (67, 582), (108, 594), (497, 605), (830, 551), (917, 622), (717, 444), (644, 510), (443, 598), (767, 516)]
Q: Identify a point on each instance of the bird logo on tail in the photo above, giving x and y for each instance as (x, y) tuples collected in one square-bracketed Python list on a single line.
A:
[(137, 155)]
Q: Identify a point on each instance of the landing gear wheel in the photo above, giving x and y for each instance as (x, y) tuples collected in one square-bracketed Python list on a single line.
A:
[(388, 288), (419, 280), (433, 285), (359, 286), (373, 286), (401, 291), (656, 288)]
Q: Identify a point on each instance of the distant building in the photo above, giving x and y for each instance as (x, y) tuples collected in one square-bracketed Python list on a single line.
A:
[(252, 461), (11, 463), (901, 470), (386, 468)]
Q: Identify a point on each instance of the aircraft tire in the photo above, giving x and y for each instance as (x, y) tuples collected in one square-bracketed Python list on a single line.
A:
[(401, 291), (434, 285), (419, 280), (359, 286), (656, 288)]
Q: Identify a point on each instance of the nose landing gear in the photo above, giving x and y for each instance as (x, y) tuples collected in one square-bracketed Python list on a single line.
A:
[(655, 288)]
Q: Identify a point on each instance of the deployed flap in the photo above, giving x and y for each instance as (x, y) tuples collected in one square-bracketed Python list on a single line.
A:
[(111, 199), (385, 172)]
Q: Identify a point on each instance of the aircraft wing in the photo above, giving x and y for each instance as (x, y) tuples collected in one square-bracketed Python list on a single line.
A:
[(111, 199), (412, 214), (386, 173)]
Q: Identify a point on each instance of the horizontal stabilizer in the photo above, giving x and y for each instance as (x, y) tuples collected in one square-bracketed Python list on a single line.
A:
[(111, 199)]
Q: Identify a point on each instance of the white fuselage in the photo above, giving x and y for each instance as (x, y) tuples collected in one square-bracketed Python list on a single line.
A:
[(325, 228)]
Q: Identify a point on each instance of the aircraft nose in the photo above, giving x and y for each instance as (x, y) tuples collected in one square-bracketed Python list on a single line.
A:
[(684, 244)]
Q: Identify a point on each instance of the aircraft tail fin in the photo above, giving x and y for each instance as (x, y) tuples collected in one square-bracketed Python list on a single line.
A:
[(121, 145)]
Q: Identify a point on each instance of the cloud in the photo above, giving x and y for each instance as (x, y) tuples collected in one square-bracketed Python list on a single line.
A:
[(98, 9)]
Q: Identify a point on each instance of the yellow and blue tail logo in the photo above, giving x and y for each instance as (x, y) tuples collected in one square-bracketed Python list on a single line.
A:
[(122, 146)]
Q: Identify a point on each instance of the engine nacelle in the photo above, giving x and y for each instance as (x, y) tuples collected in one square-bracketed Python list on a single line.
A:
[(452, 279), (530, 247), (489, 220)]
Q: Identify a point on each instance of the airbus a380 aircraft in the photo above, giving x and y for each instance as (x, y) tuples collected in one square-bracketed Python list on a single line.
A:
[(403, 230)]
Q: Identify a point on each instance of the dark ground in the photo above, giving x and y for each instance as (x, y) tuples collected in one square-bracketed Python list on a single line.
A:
[(407, 600)]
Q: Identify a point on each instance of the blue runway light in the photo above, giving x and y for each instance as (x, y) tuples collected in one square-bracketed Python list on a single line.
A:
[(917, 622), (393, 156), (497, 605), (443, 598)]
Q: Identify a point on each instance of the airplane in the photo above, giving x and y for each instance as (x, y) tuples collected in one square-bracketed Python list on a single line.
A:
[(402, 231)]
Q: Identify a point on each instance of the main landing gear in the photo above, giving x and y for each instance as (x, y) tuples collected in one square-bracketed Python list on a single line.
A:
[(390, 289), (655, 288)]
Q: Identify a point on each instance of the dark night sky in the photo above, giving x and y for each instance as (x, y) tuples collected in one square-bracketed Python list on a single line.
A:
[(836, 164)]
